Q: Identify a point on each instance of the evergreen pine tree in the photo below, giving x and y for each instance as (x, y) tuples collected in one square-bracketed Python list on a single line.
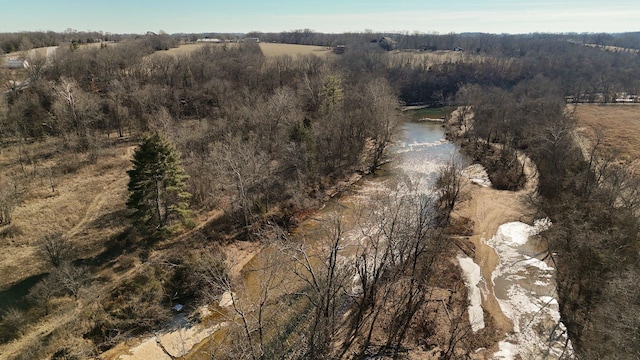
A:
[(157, 183)]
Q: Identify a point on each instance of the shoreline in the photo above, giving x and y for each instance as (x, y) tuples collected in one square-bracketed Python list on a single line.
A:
[(488, 208)]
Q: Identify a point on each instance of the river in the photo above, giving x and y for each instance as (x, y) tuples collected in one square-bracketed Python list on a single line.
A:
[(521, 283)]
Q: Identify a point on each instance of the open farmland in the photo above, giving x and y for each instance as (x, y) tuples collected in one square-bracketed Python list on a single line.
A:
[(185, 49), (612, 48), (618, 126), (31, 54), (47, 52), (269, 50)]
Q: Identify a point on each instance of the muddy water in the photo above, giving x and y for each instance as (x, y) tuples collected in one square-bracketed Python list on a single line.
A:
[(523, 285), (417, 156)]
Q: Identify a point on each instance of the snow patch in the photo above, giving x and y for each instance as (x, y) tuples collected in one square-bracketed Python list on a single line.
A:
[(526, 293), (226, 299), (512, 234), (548, 300), (472, 277), (507, 351), (538, 264), (477, 174)]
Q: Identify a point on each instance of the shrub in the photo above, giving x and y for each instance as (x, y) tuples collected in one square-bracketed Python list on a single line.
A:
[(10, 231), (138, 305), (200, 274), (12, 322), (32, 350)]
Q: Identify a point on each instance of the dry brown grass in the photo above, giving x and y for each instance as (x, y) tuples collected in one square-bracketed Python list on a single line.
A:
[(272, 50), (86, 204), (426, 59), (29, 54), (618, 126), (612, 48), (268, 49), (185, 49), (40, 53)]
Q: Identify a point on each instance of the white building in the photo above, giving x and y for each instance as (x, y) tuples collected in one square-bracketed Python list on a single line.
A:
[(207, 40)]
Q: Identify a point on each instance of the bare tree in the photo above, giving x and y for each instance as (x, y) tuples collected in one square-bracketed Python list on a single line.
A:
[(449, 185), (56, 248), (398, 246), (324, 275), (383, 117), (247, 170), (72, 278), (45, 290)]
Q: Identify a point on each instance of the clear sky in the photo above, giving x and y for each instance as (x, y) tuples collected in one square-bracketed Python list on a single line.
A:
[(443, 16)]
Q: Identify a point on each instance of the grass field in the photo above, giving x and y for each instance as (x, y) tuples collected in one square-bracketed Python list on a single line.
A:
[(268, 49), (617, 125), (42, 51), (85, 203), (612, 48), (185, 49), (29, 54)]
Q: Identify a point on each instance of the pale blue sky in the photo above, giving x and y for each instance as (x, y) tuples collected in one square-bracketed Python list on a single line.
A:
[(444, 16)]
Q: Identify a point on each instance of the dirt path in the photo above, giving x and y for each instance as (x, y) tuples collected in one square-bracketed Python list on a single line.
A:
[(97, 204), (489, 208), (96, 207)]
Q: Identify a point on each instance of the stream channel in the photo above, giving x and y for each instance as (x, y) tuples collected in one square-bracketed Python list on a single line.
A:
[(523, 284)]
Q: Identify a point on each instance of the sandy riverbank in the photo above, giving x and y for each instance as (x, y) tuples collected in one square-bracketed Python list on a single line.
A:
[(489, 208)]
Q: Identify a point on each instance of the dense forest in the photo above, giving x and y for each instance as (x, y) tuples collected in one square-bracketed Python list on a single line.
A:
[(265, 139)]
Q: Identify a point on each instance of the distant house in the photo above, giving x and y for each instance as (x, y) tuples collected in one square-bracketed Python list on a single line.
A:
[(626, 98), (17, 64), (208, 40), (339, 49), (252, 40), (387, 43)]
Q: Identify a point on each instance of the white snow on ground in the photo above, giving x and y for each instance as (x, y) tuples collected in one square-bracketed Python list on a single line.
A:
[(537, 263), (226, 299), (477, 174), (508, 351), (525, 290), (472, 277)]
